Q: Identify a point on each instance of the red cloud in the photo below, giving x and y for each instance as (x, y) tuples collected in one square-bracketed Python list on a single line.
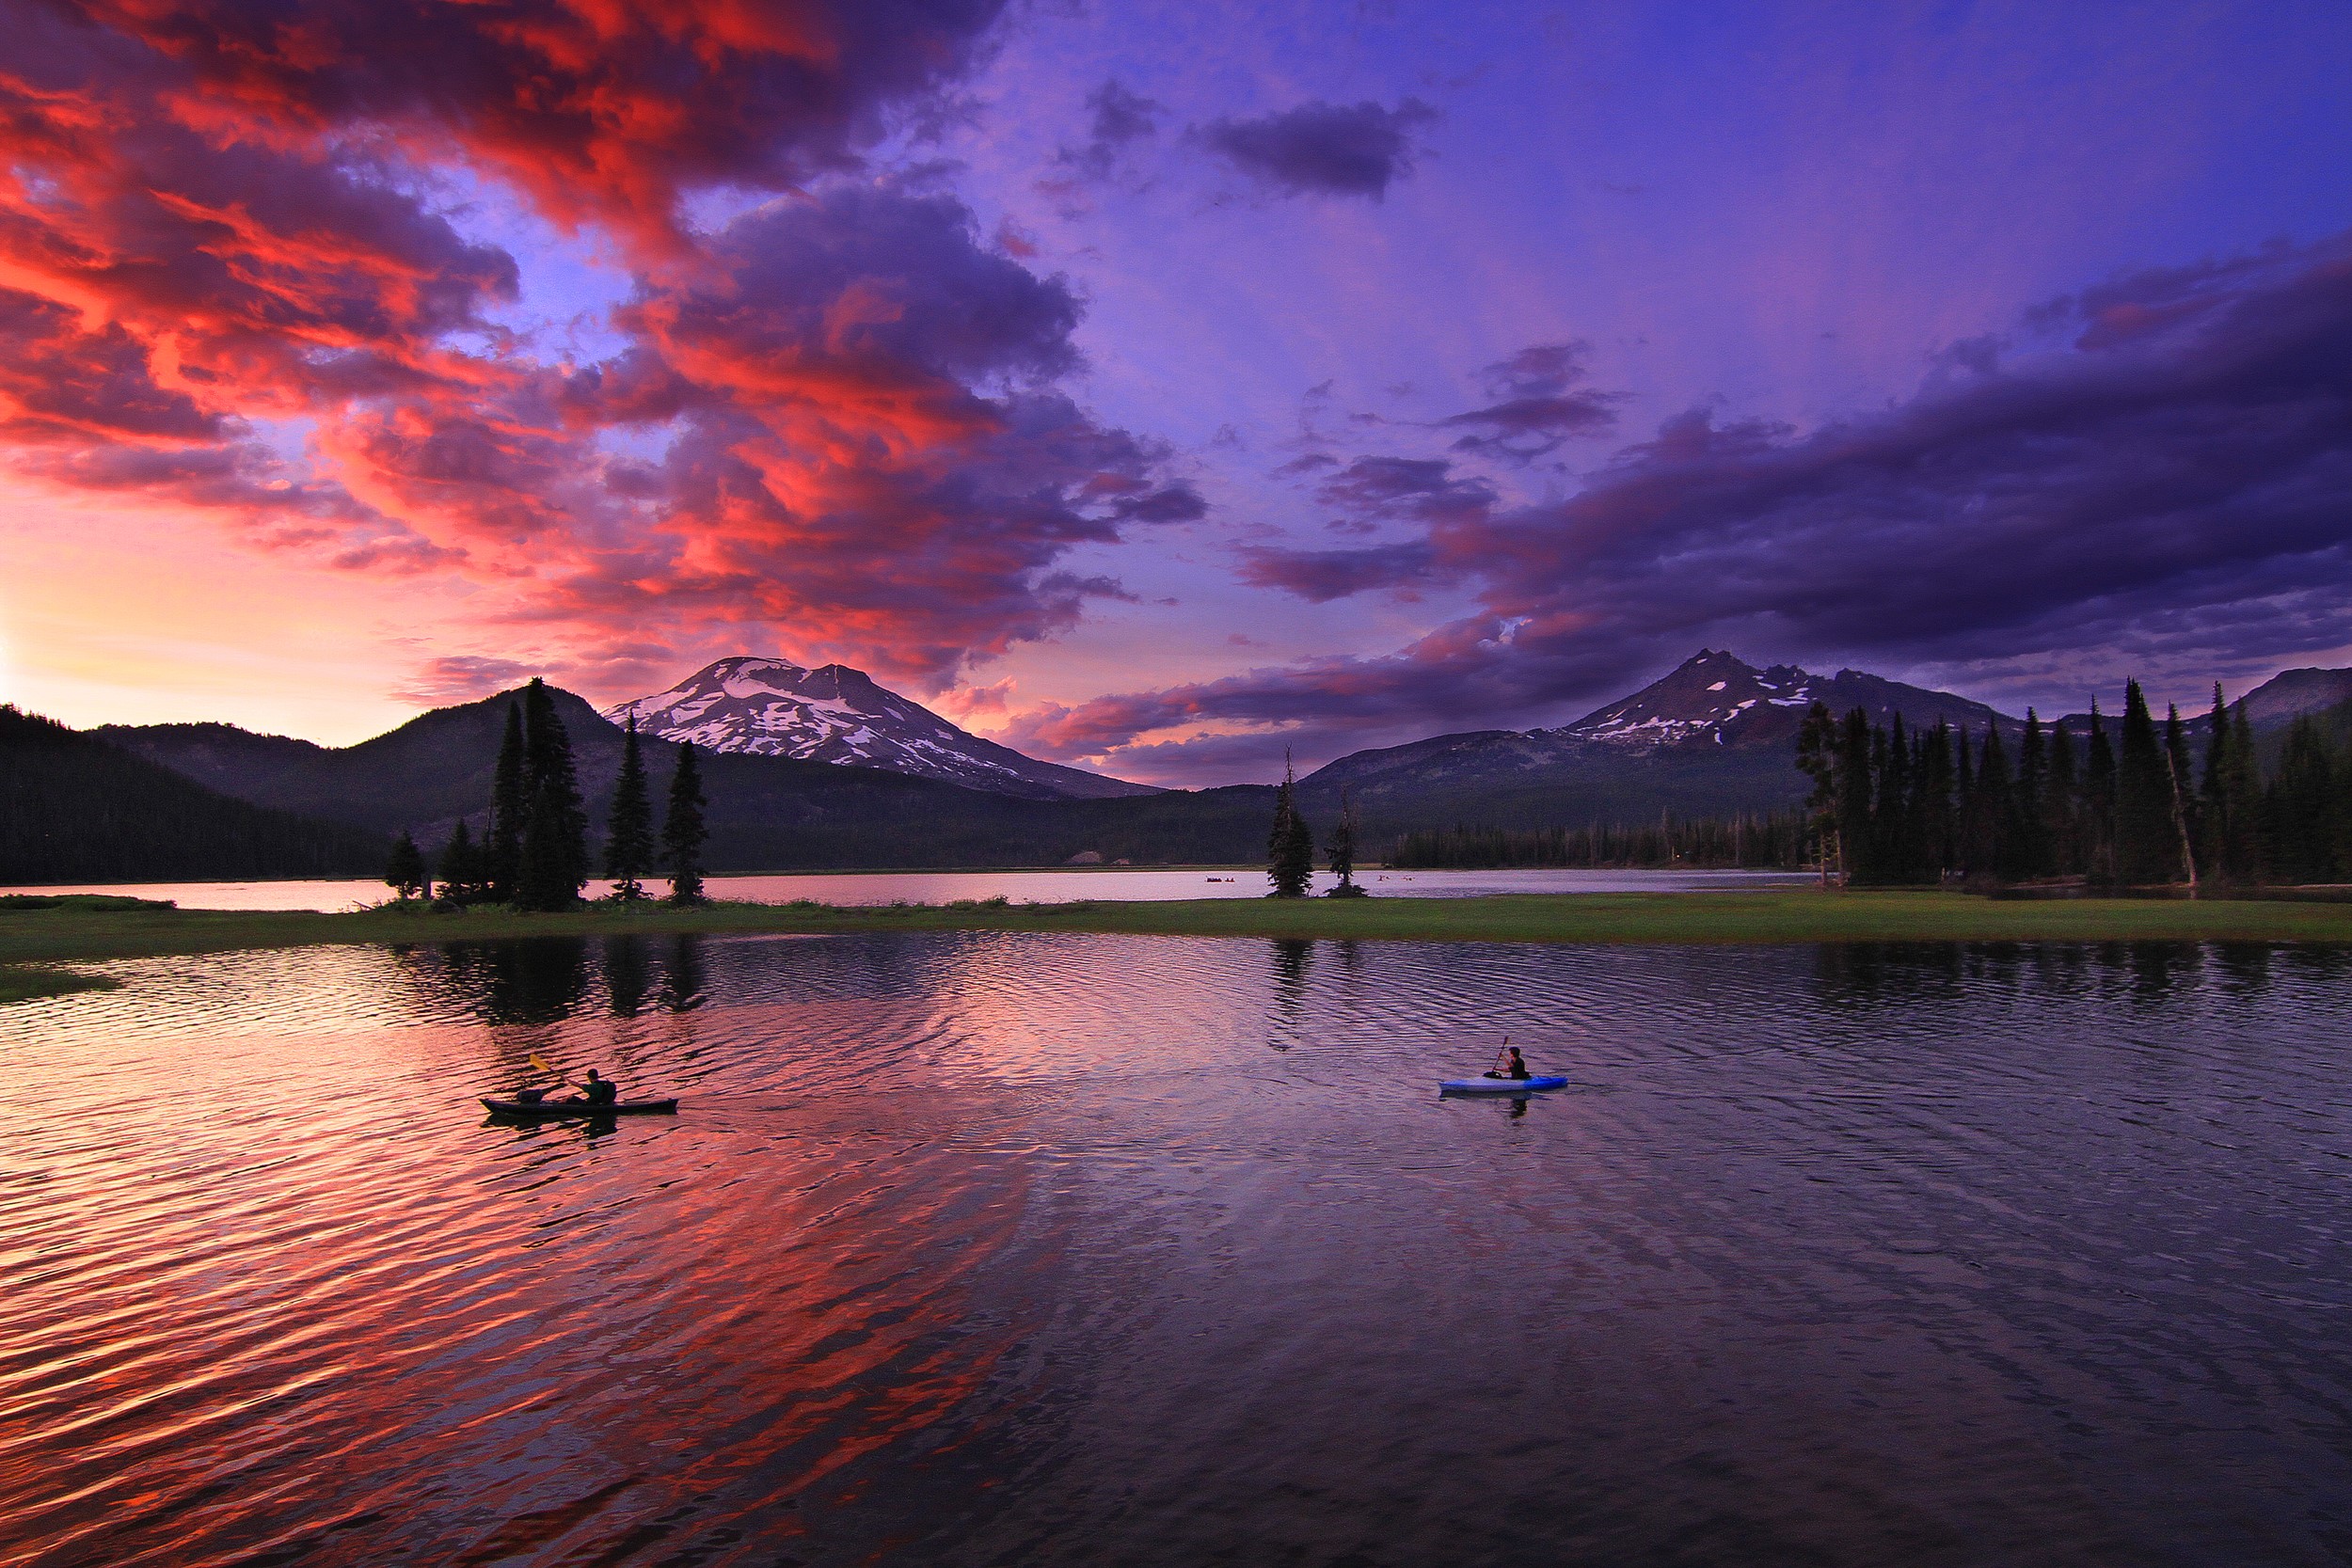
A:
[(219, 214), (600, 110)]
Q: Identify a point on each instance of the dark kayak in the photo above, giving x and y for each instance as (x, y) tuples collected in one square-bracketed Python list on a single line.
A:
[(576, 1107)]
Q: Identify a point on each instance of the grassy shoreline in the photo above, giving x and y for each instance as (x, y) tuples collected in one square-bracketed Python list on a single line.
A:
[(72, 929)]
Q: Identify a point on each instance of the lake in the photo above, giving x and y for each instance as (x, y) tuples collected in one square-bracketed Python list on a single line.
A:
[(1022, 887), (1038, 1249)]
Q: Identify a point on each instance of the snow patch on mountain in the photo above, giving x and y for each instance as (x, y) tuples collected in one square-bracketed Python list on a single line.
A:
[(771, 707)]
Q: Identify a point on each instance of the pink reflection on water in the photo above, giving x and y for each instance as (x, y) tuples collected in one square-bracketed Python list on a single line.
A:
[(1022, 887)]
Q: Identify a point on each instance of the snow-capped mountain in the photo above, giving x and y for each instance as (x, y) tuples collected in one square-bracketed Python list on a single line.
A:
[(1715, 697), (836, 714), (1715, 728), (1699, 699)]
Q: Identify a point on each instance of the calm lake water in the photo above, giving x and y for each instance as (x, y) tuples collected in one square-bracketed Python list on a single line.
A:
[(1022, 887), (1022, 1249)]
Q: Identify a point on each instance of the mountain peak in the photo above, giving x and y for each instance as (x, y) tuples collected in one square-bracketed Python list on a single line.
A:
[(837, 714), (1716, 698)]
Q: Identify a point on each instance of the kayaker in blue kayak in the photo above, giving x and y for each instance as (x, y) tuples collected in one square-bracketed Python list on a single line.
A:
[(1509, 1065)]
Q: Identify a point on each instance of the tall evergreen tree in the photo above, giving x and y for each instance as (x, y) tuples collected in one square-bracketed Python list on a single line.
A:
[(1963, 806), (1896, 803), (2213, 794), (1938, 832), (2033, 819), (554, 785), (545, 881), (1817, 759), (2098, 803), (2146, 844), (1992, 832), (683, 830), (2061, 807), (1857, 844), (1341, 850), (2300, 807), (2246, 791), (510, 806), (1291, 845), (461, 867), (405, 872), (2181, 788), (628, 840)]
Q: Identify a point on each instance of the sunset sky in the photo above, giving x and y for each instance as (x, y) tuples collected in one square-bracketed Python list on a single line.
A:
[(1156, 386)]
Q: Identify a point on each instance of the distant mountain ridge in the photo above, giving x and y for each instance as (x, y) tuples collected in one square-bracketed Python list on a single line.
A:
[(74, 809), (1713, 736), (836, 714)]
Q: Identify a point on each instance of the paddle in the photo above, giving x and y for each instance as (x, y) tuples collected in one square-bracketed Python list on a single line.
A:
[(1502, 1059), (545, 1066)]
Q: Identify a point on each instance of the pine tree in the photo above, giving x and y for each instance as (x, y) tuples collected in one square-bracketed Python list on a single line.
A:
[(2300, 807), (460, 869), (2098, 803), (1342, 850), (1291, 846), (2033, 819), (404, 873), (2061, 807), (1817, 759), (510, 806), (2146, 844), (2181, 788), (543, 882), (629, 841), (1856, 843), (2213, 794), (1963, 806), (1992, 836), (1896, 803), (554, 785), (2245, 794), (1937, 830), (683, 830)]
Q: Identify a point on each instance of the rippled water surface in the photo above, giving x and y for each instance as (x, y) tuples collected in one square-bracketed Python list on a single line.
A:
[(1022, 1249)]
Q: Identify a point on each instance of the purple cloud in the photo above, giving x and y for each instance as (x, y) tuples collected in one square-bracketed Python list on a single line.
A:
[(1120, 119), (1322, 149), (2174, 483), (1536, 406)]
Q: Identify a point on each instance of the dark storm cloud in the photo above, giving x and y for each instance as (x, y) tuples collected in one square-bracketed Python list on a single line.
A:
[(1322, 149), (2174, 483)]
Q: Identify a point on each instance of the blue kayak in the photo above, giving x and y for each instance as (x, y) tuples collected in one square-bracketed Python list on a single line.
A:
[(1501, 1085)]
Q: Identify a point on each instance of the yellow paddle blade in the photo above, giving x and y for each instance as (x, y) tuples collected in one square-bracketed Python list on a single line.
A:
[(541, 1063)]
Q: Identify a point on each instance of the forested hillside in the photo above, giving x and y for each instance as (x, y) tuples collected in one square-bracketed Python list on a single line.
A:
[(74, 808)]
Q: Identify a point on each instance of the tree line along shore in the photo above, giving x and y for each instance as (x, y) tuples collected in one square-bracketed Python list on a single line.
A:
[(1889, 810)]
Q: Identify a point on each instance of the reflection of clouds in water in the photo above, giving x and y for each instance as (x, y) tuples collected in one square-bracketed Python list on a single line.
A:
[(1023, 1248)]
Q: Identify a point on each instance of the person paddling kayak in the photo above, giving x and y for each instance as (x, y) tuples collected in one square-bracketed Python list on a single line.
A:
[(1509, 1064), (596, 1090)]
